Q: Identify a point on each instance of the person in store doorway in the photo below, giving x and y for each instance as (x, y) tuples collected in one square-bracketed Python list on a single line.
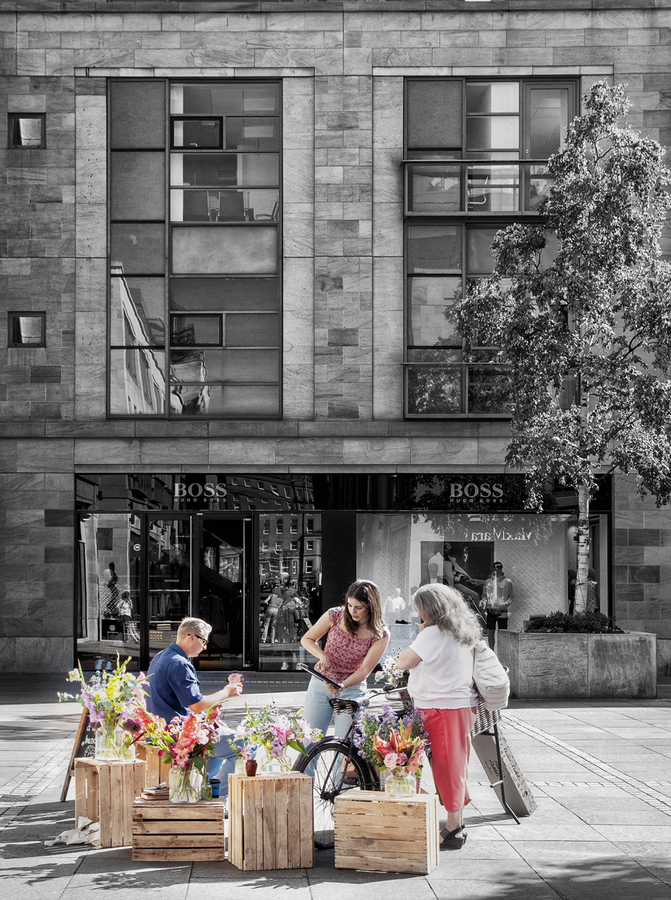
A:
[(173, 688), (130, 632), (497, 595)]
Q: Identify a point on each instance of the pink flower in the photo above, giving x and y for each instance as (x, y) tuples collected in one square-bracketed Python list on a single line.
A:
[(390, 760), (235, 678), (281, 728)]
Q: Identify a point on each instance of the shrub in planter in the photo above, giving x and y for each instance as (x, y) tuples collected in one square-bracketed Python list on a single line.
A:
[(590, 622)]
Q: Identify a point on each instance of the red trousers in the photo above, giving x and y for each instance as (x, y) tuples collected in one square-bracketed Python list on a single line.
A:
[(449, 733)]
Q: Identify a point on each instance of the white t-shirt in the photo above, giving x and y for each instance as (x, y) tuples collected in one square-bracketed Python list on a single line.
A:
[(444, 677)]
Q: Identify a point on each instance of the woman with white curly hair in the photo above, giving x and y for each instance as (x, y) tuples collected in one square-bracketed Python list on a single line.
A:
[(440, 660)]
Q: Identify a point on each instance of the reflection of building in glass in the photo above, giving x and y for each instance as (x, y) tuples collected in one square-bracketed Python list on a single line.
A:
[(139, 378), (187, 367), (290, 548)]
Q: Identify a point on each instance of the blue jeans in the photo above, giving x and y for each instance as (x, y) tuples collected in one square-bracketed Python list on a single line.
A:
[(318, 712), (222, 764)]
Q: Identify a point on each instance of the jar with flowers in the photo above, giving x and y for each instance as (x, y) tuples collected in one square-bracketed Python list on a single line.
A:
[(395, 744), (393, 677), (110, 698), (269, 733), (187, 741)]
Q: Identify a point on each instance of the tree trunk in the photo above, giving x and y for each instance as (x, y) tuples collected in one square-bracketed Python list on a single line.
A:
[(582, 569)]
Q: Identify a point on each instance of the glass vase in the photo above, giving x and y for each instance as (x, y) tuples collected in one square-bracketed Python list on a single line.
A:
[(113, 744), (401, 784), (240, 766), (184, 785)]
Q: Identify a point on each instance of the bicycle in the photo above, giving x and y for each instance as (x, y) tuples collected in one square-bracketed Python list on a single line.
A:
[(336, 766)]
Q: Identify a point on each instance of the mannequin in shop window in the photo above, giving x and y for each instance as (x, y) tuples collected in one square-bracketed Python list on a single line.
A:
[(497, 596), (456, 577), (393, 609)]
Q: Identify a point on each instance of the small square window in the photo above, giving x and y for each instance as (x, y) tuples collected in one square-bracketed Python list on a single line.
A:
[(27, 130), (26, 329)]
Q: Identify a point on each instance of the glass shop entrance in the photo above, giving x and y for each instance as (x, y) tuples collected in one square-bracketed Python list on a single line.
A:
[(141, 574)]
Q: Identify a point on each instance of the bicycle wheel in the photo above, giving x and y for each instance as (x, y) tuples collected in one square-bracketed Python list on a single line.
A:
[(334, 769)]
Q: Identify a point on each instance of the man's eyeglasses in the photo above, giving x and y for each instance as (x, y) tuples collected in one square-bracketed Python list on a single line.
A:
[(200, 638)]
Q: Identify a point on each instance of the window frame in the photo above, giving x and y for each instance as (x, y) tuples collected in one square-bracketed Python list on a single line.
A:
[(13, 317), (12, 124), (263, 395), (466, 219)]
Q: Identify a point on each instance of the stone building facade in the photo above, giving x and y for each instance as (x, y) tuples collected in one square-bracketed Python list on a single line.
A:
[(342, 69)]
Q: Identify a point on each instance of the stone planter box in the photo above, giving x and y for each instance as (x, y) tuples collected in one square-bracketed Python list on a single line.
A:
[(579, 665)]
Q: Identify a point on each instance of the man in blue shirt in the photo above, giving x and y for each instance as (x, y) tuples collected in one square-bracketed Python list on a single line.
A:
[(173, 689)]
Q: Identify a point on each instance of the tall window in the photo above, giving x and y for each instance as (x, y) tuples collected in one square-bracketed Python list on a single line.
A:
[(475, 161), (195, 249)]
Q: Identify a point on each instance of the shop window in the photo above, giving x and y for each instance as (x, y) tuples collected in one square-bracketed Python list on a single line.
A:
[(26, 329), (195, 250), (27, 131), (536, 552), (476, 155)]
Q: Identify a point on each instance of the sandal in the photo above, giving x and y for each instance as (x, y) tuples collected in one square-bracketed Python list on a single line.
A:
[(450, 841)]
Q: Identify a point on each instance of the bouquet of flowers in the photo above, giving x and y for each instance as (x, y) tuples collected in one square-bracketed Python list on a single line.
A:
[(274, 731), (188, 741), (391, 743), (391, 674), (111, 698)]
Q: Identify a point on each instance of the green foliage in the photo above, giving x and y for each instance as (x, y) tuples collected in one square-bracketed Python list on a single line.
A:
[(582, 623), (585, 298)]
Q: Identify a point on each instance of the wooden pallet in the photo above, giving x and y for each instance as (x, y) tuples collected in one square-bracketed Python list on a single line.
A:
[(270, 821), (104, 792), (381, 834), (180, 832)]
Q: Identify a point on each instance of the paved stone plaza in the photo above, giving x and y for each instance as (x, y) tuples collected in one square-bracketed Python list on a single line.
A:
[(600, 775)]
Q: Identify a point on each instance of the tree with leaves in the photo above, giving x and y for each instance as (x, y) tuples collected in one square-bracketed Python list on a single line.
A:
[(582, 300)]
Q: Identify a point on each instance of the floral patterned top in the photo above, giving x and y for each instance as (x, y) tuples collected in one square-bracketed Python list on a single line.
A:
[(345, 651)]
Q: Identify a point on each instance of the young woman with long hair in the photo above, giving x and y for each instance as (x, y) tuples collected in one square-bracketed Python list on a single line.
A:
[(440, 660), (357, 638)]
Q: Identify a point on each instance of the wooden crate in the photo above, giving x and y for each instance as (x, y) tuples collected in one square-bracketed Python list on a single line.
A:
[(180, 832), (378, 833), (104, 792), (270, 821), (156, 768)]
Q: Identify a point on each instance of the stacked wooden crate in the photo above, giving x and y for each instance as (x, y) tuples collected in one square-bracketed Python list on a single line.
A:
[(180, 832), (270, 821), (157, 768)]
